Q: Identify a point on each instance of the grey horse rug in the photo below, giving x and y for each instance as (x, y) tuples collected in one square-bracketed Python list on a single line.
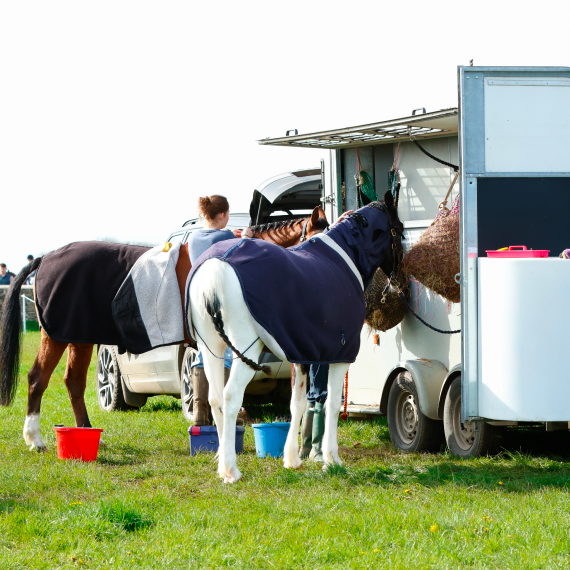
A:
[(147, 308), (310, 298), (107, 293)]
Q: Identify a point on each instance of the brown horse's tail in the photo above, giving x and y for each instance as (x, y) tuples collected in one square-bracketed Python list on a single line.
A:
[(10, 335)]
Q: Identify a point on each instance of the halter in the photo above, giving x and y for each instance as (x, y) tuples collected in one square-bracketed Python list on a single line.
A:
[(303, 238), (395, 238)]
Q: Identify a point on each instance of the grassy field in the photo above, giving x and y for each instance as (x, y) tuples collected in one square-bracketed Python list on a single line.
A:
[(147, 504)]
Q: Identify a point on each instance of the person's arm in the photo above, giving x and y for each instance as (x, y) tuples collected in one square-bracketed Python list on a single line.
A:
[(343, 215)]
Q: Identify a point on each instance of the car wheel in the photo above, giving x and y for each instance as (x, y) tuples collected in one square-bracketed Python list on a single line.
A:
[(467, 439), (410, 429), (109, 388), (186, 384)]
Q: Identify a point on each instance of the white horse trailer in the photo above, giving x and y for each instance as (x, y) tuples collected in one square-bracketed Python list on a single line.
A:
[(510, 138)]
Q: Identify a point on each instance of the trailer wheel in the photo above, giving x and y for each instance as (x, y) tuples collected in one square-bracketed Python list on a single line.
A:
[(410, 429), (467, 439)]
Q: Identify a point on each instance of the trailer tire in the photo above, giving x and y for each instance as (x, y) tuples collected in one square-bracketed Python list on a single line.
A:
[(411, 430), (468, 439)]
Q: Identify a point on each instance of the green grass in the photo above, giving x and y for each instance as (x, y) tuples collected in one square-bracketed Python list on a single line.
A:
[(147, 504)]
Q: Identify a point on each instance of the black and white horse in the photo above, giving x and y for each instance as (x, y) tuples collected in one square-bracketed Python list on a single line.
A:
[(317, 317)]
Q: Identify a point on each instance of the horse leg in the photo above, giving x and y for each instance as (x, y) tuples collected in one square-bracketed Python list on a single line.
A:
[(38, 379), (337, 373), (214, 370), (240, 376), (291, 458), (78, 360)]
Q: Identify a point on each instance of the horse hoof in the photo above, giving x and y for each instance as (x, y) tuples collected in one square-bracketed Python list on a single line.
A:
[(294, 463), (230, 479), (332, 458), (232, 476)]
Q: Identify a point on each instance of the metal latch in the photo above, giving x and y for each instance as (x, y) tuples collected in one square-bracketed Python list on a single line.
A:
[(330, 199)]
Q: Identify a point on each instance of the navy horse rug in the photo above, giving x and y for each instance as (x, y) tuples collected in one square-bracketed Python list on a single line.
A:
[(310, 298), (107, 293)]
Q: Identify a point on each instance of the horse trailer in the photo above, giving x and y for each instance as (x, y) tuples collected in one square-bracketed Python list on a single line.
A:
[(510, 138)]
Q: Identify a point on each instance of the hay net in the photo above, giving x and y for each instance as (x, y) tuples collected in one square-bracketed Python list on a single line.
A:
[(387, 315), (434, 260)]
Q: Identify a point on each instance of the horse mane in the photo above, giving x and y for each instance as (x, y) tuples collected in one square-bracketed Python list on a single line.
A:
[(321, 225), (276, 225)]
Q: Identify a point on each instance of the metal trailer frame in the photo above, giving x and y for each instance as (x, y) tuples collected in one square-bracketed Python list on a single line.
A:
[(473, 168)]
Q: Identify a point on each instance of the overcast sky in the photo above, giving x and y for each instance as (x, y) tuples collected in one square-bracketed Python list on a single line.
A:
[(115, 116)]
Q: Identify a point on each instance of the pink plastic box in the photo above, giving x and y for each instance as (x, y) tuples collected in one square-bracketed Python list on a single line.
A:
[(519, 251)]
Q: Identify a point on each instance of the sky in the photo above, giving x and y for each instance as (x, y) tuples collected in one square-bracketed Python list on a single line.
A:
[(115, 116)]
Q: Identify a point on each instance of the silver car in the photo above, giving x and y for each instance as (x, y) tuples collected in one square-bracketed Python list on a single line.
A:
[(125, 381)]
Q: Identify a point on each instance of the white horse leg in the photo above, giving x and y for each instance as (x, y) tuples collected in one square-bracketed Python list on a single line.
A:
[(337, 373), (32, 435), (291, 458), (214, 370), (240, 376)]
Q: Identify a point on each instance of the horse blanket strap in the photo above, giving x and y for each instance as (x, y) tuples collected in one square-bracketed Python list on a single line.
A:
[(147, 308), (75, 286), (309, 298)]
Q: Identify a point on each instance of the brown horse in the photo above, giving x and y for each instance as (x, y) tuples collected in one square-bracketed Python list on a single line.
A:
[(79, 357)]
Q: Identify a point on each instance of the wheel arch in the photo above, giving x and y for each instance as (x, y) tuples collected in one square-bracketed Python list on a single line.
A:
[(428, 377), (388, 385), (451, 376)]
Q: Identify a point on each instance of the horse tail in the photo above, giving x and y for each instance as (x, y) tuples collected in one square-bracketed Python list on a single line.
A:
[(214, 309), (11, 331)]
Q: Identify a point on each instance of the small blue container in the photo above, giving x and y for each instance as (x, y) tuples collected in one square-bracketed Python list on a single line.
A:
[(205, 438), (270, 438)]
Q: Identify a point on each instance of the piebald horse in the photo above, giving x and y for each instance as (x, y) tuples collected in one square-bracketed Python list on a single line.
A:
[(220, 314), (80, 353)]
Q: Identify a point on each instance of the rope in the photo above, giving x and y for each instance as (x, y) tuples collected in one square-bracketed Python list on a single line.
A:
[(364, 183), (456, 168), (402, 296), (344, 415), (443, 205)]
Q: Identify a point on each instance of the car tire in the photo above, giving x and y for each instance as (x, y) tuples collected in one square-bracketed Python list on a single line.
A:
[(186, 384), (467, 439), (109, 386), (411, 430)]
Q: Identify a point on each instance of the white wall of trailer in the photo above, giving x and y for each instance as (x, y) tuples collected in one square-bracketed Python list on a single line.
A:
[(424, 186)]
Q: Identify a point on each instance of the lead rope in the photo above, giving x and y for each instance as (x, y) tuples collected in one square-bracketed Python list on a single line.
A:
[(403, 297), (344, 415)]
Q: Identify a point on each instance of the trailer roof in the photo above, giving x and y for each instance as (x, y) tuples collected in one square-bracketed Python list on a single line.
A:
[(426, 125)]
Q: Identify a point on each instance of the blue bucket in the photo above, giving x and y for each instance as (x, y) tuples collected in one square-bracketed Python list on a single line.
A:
[(205, 438), (270, 438)]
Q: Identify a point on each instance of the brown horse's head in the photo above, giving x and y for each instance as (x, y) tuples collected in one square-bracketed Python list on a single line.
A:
[(290, 232)]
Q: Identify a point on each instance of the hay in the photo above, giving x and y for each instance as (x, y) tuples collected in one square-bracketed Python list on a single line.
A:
[(383, 316), (434, 260)]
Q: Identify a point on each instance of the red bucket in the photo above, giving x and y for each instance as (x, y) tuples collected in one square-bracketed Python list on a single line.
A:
[(77, 443)]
